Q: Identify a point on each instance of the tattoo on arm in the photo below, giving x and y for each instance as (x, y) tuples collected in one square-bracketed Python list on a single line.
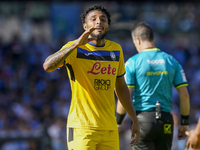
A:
[(57, 59)]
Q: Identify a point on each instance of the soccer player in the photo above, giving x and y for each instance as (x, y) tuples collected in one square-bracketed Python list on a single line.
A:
[(194, 137), (95, 67), (151, 74)]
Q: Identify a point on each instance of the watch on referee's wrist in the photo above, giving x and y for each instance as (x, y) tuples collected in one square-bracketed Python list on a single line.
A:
[(184, 120), (119, 118)]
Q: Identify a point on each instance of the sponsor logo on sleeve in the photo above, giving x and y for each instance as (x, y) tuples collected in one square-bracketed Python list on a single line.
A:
[(183, 76)]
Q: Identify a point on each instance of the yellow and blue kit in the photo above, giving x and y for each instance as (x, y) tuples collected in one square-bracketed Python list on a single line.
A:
[(92, 72)]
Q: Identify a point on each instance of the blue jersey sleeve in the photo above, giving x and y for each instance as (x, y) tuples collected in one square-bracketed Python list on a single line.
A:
[(130, 73)]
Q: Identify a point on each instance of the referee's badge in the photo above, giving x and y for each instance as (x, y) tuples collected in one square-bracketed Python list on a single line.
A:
[(113, 56)]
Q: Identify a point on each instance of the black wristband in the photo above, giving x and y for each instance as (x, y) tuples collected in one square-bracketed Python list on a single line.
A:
[(184, 120), (120, 118)]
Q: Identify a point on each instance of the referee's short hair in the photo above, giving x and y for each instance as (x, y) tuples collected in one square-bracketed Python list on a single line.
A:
[(143, 31)]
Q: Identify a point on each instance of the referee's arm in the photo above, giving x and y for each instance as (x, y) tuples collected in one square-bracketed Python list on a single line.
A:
[(184, 100), (184, 110)]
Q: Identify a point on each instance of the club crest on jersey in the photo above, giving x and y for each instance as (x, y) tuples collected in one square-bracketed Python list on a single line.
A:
[(113, 56)]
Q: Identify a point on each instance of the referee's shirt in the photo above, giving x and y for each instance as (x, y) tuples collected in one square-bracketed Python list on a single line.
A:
[(152, 73)]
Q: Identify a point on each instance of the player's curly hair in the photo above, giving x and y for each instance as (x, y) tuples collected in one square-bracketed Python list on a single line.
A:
[(95, 7)]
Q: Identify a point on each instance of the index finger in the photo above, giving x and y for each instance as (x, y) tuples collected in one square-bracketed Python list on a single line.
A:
[(91, 29), (88, 31)]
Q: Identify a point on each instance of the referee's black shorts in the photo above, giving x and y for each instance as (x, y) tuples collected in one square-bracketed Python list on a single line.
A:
[(156, 134)]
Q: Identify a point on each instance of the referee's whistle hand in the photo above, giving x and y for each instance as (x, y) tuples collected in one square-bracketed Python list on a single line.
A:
[(181, 132), (135, 134)]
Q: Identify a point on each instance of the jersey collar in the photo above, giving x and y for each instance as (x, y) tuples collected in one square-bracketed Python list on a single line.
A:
[(96, 45), (152, 49)]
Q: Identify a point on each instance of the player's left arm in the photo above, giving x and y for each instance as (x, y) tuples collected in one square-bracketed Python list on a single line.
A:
[(125, 104), (120, 109)]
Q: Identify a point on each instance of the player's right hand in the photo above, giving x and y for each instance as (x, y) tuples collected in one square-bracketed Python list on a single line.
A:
[(84, 38), (135, 134)]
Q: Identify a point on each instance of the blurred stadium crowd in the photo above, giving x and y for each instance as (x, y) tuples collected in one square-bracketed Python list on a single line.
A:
[(34, 104)]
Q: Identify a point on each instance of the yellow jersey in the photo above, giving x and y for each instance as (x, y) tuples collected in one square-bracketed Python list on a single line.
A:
[(92, 71)]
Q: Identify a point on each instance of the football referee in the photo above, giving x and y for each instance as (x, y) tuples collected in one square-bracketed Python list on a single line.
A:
[(150, 76)]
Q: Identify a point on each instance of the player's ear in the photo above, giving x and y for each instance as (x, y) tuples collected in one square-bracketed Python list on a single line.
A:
[(84, 26)]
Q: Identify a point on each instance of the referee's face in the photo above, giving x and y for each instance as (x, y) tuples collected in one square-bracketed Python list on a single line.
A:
[(99, 20)]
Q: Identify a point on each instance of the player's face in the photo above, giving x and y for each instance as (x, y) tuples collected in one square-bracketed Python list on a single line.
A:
[(99, 20)]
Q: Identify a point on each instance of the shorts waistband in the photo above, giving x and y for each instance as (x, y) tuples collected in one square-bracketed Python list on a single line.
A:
[(164, 112)]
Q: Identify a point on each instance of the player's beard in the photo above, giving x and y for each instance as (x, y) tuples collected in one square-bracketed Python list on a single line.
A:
[(100, 36)]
